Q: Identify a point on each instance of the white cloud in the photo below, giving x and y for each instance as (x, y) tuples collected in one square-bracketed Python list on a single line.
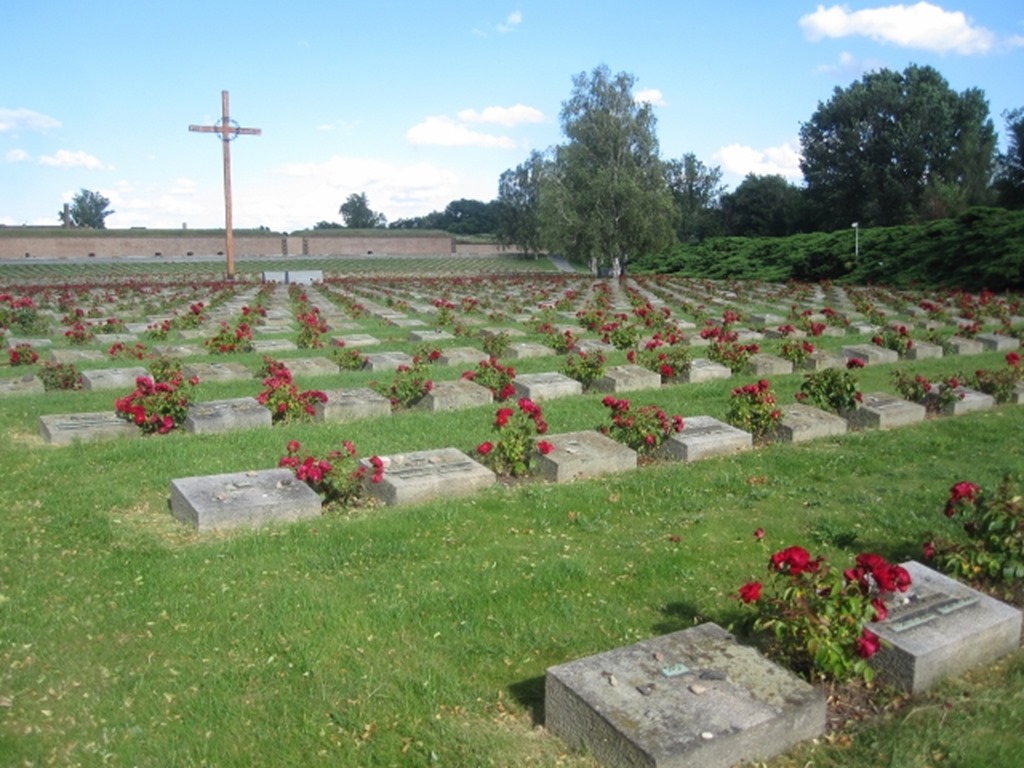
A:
[(771, 161), (507, 116), (67, 159), (650, 95), (922, 25), (442, 131), (849, 67), (25, 119), (16, 156), (512, 21)]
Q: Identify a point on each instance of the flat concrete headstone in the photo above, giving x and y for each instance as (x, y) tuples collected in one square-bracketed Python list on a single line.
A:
[(387, 361), (627, 378), (274, 345), (594, 345), (997, 342), (963, 346), (178, 350), (880, 410), (583, 455), (520, 350), (454, 396), (112, 378), (704, 437), (212, 372), (304, 277), (242, 499), (768, 365), (968, 401), (356, 340), (406, 322), (462, 356), (940, 628), (922, 350), (1017, 397), (226, 415), (36, 344), (701, 370), (871, 354), (311, 366), (65, 428), (113, 338), (29, 384), (821, 361), (545, 386), (75, 356), (690, 698), (834, 331), (421, 476), (801, 423), (766, 319), (351, 405), (430, 336)]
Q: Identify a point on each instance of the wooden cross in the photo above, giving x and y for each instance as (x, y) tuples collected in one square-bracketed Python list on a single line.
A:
[(228, 131)]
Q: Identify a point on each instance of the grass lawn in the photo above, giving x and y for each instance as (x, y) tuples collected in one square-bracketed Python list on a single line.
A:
[(420, 635)]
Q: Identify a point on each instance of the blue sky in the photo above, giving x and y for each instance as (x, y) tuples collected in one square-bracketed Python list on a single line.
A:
[(418, 103)]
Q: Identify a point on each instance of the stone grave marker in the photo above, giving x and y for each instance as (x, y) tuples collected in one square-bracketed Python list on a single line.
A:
[(273, 345), (775, 333), (211, 372), (36, 344), (387, 361), (821, 360), (356, 340), (768, 365), (430, 336), (969, 401), (764, 319), (583, 455), (112, 378), (462, 356), (701, 369), (922, 350), (422, 476), (833, 330), (226, 415), (940, 628), (178, 350), (1017, 398), (801, 423), (311, 366), (863, 329), (242, 499), (702, 438), (113, 338), (406, 322), (28, 384), (65, 428), (997, 342), (76, 356), (871, 354), (962, 346), (352, 404), (545, 386), (691, 698), (595, 345), (880, 410), (520, 350), (454, 396), (627, 378)]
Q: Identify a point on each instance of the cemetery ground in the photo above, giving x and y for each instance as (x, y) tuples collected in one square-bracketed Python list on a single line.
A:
[(420, 635)]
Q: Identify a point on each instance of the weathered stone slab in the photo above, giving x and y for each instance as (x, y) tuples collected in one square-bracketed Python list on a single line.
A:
[(178, 350), (880, 410), (595, 345), (28, 384), (387, 361), (801, 423), (356, 340), (112, 378), (922, 350), (701, 369), (405, 322), (413, 478), (351, 405), (113, 338), (545, 386), (834, 331), (430, 336), (583, 455), (820, 361), (1018, 393), (76, 356), (311, 366), (962, 346), (627, 378), (690, 698), (778, 333), (871, 354), (510, 332), (941, 628), (863, 329), (65, 428), (226, 415), (212, 372), (36, 344), (702, 438), (304, 277), (768, 365), (969, 401), (274, 345), (519, 350), (242, 499), (766, 319), (454, 396), (462, 356), (997, 342)]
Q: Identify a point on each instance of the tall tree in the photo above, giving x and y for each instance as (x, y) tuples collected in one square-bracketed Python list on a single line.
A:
[(356, 213), (471, 217), (607, 197), (88, 209), (897, 147), (697, 190), (1009, 181), (519, 205), (762, 206)]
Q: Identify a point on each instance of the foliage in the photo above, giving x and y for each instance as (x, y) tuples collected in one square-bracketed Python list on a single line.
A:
[(60, 376), (1009, 179), (20, 314), (88, 209), (283, 398), (754, 409), (697, 191), (667, 355), (994, 524), (644, 429), (80, 333), (136, 351), (228, 340), (164, 368), (356, 213), (338, 477), (496, 377), (606, 199), (311, 327), (796, 351), (897, 339), (585, 367), (157, 406), (762, 206), (514, 451), (918, 389), (347, 358), (22, 354), (832, 389), (813, 619), (191, 319), (1001, 384), (409, 385), (519, 205)]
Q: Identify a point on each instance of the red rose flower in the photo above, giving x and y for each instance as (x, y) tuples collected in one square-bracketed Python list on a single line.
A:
[(868, 644), (545, 447), (750, 592)]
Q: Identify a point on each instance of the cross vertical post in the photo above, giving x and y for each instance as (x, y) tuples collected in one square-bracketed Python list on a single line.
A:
[(228, 131)]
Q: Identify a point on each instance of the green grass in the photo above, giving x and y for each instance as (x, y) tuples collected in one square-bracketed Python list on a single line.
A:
[(420, 635)]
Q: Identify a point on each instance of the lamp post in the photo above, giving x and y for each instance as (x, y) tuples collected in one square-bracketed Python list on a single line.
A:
[(856, 239)]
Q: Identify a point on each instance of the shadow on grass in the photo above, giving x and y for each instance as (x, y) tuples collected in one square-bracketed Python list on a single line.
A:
[(530, 694)]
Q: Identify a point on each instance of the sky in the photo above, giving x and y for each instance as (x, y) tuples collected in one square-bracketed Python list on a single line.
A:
[(417, 103)]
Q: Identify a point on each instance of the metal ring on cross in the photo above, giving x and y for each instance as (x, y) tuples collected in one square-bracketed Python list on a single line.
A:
[(231, 133)]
